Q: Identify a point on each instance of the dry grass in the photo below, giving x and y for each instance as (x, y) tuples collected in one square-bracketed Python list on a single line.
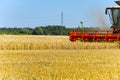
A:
[(60, 65), (10, 42)]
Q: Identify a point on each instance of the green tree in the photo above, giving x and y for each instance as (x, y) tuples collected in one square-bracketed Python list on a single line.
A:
[(38, 31)]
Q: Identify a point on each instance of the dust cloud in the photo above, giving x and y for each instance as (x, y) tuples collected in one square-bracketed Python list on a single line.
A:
[(99, 18)]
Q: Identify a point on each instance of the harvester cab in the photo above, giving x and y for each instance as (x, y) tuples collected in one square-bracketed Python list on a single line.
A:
[(101, 35), (114, 14)]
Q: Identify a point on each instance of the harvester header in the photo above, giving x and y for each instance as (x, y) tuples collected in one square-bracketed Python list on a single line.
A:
[(101, 35)]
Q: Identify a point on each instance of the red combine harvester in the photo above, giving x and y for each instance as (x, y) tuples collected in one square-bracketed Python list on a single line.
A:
[(101, 35)]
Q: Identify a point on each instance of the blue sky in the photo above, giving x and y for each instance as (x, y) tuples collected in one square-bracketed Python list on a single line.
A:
[(32, 13)]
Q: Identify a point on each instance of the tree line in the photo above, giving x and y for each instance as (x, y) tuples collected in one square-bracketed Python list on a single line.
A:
[(40, 30)]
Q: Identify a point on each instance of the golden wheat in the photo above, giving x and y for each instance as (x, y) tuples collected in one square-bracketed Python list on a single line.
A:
[(25, 42), (26, 57), (60, 64)]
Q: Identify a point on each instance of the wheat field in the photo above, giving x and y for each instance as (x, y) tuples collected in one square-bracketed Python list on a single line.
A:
[(26, 57), (27, 42)]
